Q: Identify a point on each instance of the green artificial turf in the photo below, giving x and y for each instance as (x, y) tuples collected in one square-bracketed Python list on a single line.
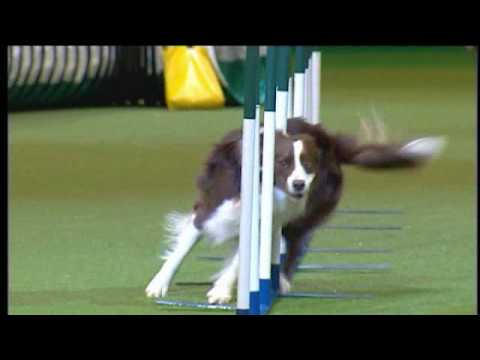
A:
[(89, 188)]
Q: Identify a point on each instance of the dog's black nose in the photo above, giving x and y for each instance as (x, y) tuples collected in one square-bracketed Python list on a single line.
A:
[(298, 185)]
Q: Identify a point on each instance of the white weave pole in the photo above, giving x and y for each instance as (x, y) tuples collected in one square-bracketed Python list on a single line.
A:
[(305, 93), (316, 83), (266, 209), (298, 94), (290, 98), (248, 145), (246, 191), (284, 88), (266, 195), (281, 110), (308, 91), (255, 237), (299, 82)]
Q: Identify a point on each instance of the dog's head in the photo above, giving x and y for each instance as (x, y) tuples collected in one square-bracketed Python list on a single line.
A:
[(297, 162)]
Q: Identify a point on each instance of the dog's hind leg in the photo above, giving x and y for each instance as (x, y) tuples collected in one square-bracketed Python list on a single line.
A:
[(224, 286), (184, 234)]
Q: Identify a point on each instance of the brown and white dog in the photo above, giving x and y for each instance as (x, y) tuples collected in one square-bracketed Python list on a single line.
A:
[(307, 187)]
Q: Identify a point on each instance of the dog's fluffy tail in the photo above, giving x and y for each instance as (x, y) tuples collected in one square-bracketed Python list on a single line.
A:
[(379, 153), (383, 156)]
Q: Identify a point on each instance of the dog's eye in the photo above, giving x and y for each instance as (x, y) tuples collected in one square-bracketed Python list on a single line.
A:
[(284, 163)]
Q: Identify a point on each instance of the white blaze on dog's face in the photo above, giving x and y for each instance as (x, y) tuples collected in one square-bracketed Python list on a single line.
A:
[(296, 166), (298, 183)]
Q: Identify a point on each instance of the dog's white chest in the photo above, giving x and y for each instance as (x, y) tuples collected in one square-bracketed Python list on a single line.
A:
[(225, 221), (285, 207)]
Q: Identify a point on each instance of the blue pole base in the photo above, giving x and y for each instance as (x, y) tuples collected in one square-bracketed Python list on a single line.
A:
[(255, 302), (265, 295)]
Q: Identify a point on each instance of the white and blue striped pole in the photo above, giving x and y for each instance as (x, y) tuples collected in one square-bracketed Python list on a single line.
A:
[(316, 86), (281, 113), (281, 107), (266, 208), (255, 240), (248, 145), (299, 82)]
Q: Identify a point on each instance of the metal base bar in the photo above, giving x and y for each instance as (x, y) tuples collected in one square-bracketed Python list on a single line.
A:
[(195, 305), (298, 294), (319, 250)]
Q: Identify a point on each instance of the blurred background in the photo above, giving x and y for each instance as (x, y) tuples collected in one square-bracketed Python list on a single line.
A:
[(55, 76), (174, 76)]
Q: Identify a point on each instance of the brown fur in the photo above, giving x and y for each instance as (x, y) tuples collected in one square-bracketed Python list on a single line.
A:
[(325, 153)]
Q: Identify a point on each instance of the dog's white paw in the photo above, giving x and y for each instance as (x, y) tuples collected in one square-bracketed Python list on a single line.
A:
[(285, 285), (158, 287), (219, 295)]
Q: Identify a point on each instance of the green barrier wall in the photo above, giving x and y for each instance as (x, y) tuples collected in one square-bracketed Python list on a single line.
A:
[(47, 76)]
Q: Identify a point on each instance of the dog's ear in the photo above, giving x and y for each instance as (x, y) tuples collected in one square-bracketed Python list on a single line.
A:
[(230, 148), (381, 156), (345, 148)]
